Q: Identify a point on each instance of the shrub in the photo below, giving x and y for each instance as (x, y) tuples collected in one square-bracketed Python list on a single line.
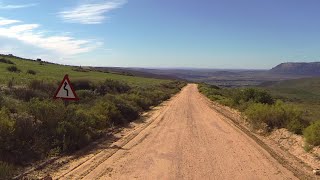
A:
[(128, 110), (32, 72), (49, 114), (142, 101), (24, 134), (13, 105), (1, 100), (77, 130), (226, 102), (254, 95), (278, 115), (6, 123), (212, 92), (27, 94), (112, 86), (10, 83), (296, 124), (107, 113), (312, 133), (3, 60), (80, 69), (6, 170), (47, 88), (307, 147), (13, 69), (86, 96), (83, 84), (214, 87), (6, 132)]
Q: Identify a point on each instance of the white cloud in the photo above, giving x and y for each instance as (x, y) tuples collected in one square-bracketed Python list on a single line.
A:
[(94, 13), (63, 45), (4, 21), (17, 6)]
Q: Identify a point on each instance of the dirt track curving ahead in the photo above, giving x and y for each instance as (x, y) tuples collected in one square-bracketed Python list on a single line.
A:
[(187, 140)]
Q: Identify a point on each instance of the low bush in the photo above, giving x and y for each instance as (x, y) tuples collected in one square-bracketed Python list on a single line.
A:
[(7, 61), (13, 105), (25, 130), (279, 115), (117, 110), (312, 133), (27, 94), (112, 86), (297, 125), (78, 129), (1, 100), (128, 110), (6, 170), (142, 101), (49, 114), (253, 95), (86, 96), (10, 83), (32, 72), (107, 114), (83, 84), (48, 88), (6, 134), (80, 69), (13, 69)]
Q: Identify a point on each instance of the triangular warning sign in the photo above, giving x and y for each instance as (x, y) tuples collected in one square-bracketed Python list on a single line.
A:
[(65, 90)]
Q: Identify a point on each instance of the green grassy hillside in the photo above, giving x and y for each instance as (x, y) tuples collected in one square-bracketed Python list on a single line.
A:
[(304, 90), (304, 93), (53, 72)]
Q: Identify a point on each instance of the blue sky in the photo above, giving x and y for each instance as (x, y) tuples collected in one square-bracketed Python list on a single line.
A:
[(162, 33)]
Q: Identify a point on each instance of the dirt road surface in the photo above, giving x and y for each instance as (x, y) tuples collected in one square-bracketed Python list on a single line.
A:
[(188, 140)]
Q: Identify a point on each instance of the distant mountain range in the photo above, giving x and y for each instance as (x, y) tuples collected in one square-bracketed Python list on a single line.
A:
[(310, 69)]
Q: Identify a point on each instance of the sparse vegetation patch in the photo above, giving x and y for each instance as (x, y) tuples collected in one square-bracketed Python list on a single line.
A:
[(6, 61), (13, 69), (265, 112), (32, 72), (312, 133)]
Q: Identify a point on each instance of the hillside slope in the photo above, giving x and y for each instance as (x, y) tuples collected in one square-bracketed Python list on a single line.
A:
[(305, 89), (302, 68), (53, 72), (34, 126), (304, 93)]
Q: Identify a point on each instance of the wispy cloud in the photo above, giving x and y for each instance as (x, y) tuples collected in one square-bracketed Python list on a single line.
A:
[(4, 21), (63, 45), (94, 13), (15, 6)]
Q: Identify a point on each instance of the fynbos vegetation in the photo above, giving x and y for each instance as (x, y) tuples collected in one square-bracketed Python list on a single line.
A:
[(33, 126), (265, 112), (13, 69)]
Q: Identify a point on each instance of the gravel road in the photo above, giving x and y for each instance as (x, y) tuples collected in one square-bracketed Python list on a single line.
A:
[(187, 140)]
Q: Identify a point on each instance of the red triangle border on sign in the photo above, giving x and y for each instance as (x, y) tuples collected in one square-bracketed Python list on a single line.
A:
[(66, 77)]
